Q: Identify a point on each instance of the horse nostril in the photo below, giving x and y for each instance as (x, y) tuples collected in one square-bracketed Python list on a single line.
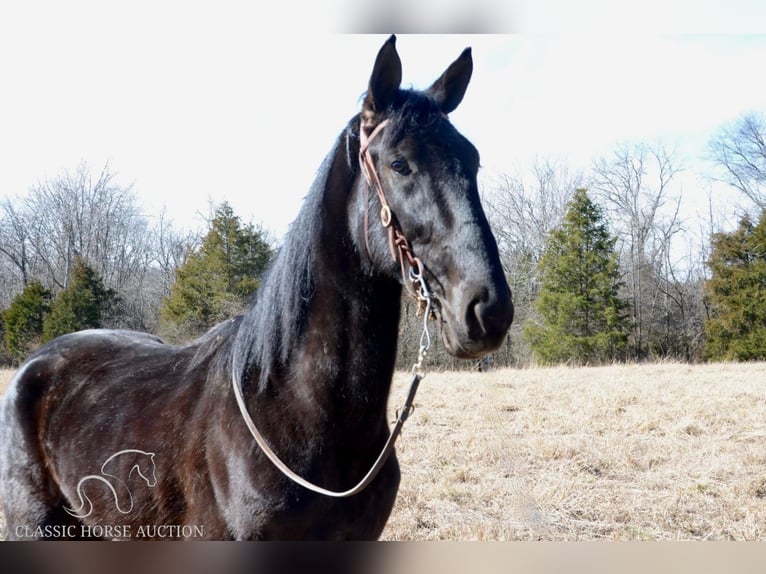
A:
[(473, 319), (489, 315), (476, 316)]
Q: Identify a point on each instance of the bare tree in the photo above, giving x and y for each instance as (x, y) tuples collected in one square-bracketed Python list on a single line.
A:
[(90, 216), (635, 184), (680, 291), (15, 240), (524, 208), (78, 215), (168, 248), (740, 150)]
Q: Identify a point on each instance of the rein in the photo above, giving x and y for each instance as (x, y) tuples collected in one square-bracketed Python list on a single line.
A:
[(399, 245)]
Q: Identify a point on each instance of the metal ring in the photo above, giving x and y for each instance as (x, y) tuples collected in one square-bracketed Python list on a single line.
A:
[(385, 216), (416, 275)]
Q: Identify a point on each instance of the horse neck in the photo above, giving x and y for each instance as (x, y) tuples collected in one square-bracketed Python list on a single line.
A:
[(324, 330)]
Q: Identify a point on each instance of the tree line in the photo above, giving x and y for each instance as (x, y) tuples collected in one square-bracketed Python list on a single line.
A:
[(605, 267), (76, 252), (601, 264)]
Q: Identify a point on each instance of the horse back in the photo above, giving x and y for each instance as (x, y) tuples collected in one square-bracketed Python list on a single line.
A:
[(82, 398), (71, 373)]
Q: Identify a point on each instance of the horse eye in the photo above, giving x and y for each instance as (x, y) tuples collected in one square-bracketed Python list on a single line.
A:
[(401, 166)]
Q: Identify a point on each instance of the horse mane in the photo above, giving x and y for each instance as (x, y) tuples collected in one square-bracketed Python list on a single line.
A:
[(212, 350), (271, 327)]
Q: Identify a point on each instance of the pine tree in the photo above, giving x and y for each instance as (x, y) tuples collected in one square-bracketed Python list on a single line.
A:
[(736, 294), (582, 319), (5, 355), (214, 281), (84, 304), (24, 320)]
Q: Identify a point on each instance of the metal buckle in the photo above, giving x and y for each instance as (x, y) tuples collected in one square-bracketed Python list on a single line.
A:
[(385, 216)]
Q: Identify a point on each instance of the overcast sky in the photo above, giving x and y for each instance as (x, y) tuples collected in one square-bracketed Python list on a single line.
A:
[(190, 104)]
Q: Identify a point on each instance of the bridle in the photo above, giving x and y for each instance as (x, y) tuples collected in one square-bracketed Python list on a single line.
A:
[(397, 242), (401, 250)]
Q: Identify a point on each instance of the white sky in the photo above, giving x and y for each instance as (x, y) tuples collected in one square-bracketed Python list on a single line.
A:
[(189, 103)]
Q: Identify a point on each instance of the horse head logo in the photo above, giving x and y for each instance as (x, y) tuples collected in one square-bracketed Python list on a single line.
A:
[(141, 463)]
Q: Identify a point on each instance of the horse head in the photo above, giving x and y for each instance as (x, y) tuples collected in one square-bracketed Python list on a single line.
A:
[(147, 469), (428, 193)]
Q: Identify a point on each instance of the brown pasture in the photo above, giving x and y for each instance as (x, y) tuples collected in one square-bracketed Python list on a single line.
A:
[(629, 452)]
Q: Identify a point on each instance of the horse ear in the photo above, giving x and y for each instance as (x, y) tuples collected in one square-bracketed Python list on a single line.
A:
[(384, 81), (449, 89)]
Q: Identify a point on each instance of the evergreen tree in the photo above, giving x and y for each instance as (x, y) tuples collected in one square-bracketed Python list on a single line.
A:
[(24, 320), (214, 281), (84, 304), (5, 355), (736, 294), (582, 319)]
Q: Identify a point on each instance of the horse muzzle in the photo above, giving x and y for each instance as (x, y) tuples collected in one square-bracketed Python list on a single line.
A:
[(476, 322)]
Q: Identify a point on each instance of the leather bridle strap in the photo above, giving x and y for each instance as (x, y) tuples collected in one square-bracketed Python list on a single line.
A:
[(398, 244), (373, 180)]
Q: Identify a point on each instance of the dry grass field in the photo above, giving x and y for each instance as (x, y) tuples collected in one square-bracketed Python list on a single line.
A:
[(5, 378), (651, 452), (654, 452)]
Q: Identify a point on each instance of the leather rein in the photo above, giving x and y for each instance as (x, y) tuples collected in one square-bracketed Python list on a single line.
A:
[(400, 250)]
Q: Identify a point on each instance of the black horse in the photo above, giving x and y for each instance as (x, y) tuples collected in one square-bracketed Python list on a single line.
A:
[(314, 355)]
